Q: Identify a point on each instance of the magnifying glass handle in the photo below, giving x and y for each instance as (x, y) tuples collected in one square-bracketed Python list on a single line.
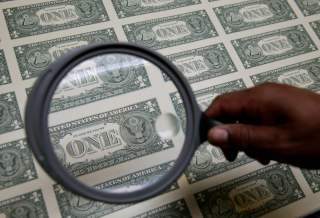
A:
[(213, 123), (206, 125)]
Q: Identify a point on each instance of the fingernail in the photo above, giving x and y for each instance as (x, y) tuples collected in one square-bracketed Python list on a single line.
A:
[(219, 135)]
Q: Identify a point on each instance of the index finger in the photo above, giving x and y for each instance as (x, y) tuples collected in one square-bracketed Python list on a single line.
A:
[(233, 106)]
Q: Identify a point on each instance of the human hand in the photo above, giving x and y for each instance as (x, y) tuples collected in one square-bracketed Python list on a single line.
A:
[(269, 122)]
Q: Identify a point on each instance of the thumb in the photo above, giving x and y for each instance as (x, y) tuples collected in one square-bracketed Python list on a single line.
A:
[(243, 137)]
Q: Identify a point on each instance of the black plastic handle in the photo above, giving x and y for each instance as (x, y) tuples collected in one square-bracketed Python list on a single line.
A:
[(206, 124)]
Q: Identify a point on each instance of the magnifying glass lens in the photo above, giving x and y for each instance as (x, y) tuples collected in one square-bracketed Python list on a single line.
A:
[(112, 123)]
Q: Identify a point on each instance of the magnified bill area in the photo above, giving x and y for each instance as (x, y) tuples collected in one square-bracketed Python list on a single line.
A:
[(113, 125), (100, 78)]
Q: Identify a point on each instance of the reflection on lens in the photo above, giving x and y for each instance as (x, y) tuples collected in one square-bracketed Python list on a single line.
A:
[(167, 126), (113, 125)]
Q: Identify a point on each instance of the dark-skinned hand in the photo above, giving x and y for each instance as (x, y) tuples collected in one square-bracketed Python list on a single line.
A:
[(269, 122)]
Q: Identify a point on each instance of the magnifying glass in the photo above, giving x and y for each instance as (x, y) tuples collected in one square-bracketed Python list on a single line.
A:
[(104, 114)]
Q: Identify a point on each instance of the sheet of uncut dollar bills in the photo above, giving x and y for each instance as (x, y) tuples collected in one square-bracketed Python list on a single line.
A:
[(219, 45)]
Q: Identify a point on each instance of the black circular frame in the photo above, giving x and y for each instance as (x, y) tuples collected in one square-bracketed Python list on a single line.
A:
[(37, 111)]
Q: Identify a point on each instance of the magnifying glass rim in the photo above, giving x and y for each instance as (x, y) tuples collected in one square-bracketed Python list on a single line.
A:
[(38, 106)]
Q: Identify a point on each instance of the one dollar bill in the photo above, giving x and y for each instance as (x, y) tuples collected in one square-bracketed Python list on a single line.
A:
[(171, 31), (303, 75), (26, 205), (251, 195), (10, 118), (107, 139), (74, 206), (313, 179), (316, 27), (16, 164), (209, 160), (4, 71), (273, 46), (203, 63), (46, 17), (309, 7), (253, 14), (35, 58), (174, 209), (128, 8)]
